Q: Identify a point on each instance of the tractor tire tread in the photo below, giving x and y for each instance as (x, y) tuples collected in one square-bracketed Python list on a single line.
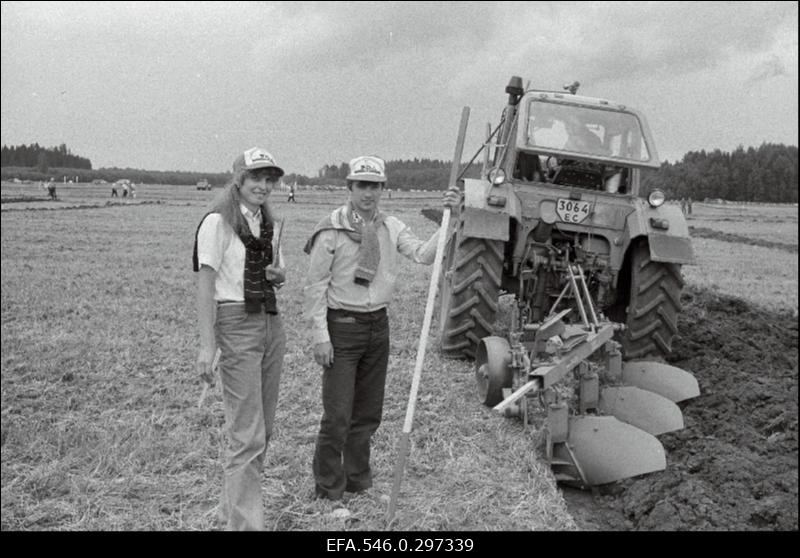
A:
[(475, 275), (653, 307)]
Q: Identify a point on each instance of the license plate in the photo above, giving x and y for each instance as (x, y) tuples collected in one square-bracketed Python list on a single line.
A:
[(572, 211)]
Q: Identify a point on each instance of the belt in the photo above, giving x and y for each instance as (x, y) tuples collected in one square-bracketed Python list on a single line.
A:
[(348, 316), (226, 302)]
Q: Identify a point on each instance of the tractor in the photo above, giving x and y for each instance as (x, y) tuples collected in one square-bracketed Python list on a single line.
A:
[(558, 222)]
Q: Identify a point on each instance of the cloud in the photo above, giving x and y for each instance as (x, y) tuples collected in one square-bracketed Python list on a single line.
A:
[(768, 69), (326, 80), (122, 18), (608, 41), (325, 36)]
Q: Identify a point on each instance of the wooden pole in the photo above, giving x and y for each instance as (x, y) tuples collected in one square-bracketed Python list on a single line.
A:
[(426, 323), (277, 257)]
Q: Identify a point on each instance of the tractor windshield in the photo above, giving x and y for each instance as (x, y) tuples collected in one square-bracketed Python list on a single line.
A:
[(585, 130)]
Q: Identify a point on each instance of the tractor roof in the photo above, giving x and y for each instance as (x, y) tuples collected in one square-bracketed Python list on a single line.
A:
[(623, 131), (558, 96)]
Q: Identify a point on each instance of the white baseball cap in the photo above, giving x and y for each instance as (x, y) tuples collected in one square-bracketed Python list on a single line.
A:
[(256, 158), (367, 168)]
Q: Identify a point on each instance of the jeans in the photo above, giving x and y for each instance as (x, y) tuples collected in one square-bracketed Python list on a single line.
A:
[(252, 348), (352, 401)]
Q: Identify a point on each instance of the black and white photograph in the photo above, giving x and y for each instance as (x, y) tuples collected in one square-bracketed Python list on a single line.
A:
[(399, 276)]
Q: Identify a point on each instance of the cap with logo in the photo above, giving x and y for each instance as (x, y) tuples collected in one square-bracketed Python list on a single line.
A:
[(256, 158), (368, 169)]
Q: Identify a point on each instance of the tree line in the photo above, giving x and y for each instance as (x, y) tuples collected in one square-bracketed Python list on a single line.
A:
[(411, 174), (422, 174), (767, 173), (113, 174), (42, 158)]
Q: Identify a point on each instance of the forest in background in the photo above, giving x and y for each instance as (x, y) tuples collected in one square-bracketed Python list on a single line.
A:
[(767, 173), (42, 158)]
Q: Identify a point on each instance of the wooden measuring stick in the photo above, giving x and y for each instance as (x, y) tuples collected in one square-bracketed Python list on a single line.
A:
[(426, 323), (278, 244)]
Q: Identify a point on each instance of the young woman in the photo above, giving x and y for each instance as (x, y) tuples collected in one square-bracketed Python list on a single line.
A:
[(235, 259)]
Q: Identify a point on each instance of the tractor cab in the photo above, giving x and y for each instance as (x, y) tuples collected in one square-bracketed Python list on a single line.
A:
[(582, 142)]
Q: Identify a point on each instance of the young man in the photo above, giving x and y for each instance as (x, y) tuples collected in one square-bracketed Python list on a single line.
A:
[(354, 263), (235, 256)]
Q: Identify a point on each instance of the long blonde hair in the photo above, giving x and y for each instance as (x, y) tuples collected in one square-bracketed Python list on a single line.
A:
[(227, 204)]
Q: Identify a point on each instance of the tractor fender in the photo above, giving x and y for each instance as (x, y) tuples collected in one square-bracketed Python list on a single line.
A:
[(666, 231), (488, 209)]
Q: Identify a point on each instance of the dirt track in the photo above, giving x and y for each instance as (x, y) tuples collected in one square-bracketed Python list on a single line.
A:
[(727, 237), (734, 466)]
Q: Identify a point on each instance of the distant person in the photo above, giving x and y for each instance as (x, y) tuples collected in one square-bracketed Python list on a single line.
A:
[(124, 189), (51, 190), (355, 258), (689, 206), (114, 191), (133, 190), (291, 194), (683, 206), (235, 258)]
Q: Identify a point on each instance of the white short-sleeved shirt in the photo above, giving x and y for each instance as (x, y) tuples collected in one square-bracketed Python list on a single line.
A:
[(220, 248)]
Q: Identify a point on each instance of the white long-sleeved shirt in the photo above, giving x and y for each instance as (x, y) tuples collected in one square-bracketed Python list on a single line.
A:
[(331, 272)]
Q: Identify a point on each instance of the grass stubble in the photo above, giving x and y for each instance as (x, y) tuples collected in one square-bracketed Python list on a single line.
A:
[(100, 429)]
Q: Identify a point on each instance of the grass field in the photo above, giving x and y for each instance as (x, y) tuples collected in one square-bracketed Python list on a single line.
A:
[(758, 259), (100, 429), (763, 222)]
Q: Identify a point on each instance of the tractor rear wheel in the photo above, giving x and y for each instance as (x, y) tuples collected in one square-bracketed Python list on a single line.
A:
[(469, 294), (653, 306)]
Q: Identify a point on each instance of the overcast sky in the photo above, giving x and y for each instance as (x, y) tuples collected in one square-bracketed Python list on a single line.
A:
[(188, 85)]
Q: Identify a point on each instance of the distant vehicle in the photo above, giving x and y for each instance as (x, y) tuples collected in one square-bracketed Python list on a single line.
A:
[(203, 185)]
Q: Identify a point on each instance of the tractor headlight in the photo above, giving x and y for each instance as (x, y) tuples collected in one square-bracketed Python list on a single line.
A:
[(497, 176), (656, 198)]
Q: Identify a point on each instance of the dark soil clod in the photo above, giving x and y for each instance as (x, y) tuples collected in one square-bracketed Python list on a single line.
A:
[(734, 466)]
